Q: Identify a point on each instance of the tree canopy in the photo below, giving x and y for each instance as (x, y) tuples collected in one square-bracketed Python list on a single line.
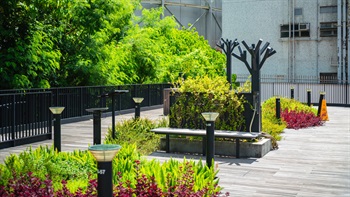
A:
[(45, 43)]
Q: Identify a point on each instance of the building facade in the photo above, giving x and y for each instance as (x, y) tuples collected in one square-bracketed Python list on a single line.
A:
[(311, 37)]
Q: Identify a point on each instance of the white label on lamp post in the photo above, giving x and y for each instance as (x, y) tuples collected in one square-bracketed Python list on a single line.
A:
[(101, 171), (208, 125)]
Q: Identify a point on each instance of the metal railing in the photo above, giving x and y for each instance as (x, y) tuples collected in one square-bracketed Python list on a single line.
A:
[(25, 116), (336, 94)]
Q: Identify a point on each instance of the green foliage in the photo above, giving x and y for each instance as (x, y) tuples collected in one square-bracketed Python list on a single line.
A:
[(47, 43), (72, 167), (247, 86), (273, 126), (204, 94), (78, 168), (137, 131)]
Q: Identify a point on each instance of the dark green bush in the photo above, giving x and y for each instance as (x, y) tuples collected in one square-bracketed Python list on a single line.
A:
[(204, 94)]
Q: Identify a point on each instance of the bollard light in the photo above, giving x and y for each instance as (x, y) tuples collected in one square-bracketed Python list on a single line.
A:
[(97, 123), (292, 92), (104, 154), (56, 111), (278, 108), (138, 101), (308, 91), (210, 118)]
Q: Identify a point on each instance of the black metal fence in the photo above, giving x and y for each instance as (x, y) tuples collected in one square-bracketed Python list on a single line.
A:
[(24, 118), (25, 115)]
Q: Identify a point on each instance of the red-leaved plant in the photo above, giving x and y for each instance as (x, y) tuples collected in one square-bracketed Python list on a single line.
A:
[(29, 185), (297, 120)]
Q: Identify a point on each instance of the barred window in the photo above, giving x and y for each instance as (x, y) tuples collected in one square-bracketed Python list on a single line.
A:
[(298, 30)]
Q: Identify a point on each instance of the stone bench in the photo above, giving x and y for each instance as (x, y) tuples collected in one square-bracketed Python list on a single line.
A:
[(237, 135)]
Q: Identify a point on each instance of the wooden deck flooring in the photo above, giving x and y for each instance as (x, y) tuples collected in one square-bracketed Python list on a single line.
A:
[(309, 162)]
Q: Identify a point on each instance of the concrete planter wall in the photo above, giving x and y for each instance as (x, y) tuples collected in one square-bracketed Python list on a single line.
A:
[(224, 148)]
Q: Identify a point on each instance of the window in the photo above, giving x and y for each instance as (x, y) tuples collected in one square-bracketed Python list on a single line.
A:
[(296, 30), (328, 29), (328, 9), (328, 78), (298, 11)]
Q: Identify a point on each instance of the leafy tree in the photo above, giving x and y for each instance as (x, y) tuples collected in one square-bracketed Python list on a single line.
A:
[(47, 43), (28, 56)]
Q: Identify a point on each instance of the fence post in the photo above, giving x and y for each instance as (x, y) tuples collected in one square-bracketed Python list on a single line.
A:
[(13, 125), (278, 108), (308, 97)]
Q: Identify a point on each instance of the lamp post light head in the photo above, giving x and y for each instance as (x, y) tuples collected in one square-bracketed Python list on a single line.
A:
[(104, 152), (56, 110), (137, 99), (210, 116)]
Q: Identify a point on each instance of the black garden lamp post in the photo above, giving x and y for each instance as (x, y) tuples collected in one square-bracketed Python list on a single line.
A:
[(308, 91), (137, 101), (278, 108), (112, 95), (57, 111), (97, 122), (104, 154), (210, 118)]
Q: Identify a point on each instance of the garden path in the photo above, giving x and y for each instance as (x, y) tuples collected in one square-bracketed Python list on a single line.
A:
[(309, 162)]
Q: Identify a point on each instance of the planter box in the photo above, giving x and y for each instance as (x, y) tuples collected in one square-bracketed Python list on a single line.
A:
[(224, 148)]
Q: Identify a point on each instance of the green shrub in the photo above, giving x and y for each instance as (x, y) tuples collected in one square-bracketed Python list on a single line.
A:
[(128, 167), (137, 131), (273, 126), (72, 167), (204, 94)]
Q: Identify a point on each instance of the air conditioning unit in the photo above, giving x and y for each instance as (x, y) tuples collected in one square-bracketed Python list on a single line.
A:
[(304, 26)]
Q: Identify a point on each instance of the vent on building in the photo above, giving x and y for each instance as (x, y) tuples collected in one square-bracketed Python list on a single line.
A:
[(296, 30), (328, 29)]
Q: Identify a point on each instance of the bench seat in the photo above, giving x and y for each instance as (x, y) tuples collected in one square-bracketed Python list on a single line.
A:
[(237, 135)]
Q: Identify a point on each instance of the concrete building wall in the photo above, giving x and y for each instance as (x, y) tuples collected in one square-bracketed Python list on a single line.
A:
[(296, 57)]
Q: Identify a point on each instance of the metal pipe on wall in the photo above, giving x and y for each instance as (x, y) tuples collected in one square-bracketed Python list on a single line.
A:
[(289, 41), (209, 23), (293, 38), (339, 46), (163, 4), (317, 40), (344, 41), (348, 79)]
